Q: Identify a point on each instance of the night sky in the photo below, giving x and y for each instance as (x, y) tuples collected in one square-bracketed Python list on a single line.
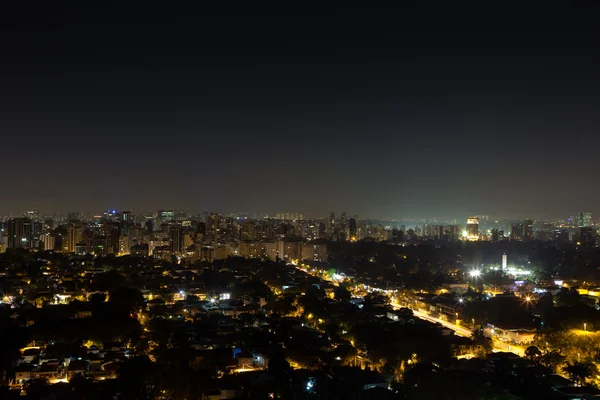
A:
[(430, 110)]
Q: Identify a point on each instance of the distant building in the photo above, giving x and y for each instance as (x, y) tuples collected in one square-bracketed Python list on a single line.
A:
[(586, 237), (527, 230), (123, 245), (48, 241), (584, 219), (315, 252), (19, 233), (473, 228), (140, 250), (177, 241), (352, 228), (516, 231), (74, 236), (560, 235)]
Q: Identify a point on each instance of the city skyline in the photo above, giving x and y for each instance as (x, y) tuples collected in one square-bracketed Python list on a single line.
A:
[(574, 217)]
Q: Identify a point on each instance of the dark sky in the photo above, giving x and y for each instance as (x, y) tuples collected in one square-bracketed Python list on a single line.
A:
[(429, 110)]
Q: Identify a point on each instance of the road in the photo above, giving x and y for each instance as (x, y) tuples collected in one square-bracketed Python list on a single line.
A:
[(465, 332), (459, 330)]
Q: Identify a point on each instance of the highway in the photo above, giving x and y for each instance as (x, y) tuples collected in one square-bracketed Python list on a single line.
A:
[(459, 330), (465, 332)]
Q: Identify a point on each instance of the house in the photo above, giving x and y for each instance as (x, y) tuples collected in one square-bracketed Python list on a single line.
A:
[(77, 367), (24, 373)]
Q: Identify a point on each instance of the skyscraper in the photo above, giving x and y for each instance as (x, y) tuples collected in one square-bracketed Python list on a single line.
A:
[(584, 219), (19, 233), (516, 232), (472, 228), (527, 230), (352, 228), (177, 240), (74, 236)]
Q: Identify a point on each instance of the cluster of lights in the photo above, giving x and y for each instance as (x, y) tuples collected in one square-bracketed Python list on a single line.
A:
[(474, 273)]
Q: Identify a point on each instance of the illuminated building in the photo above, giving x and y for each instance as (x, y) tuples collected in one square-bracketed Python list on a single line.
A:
[(516, 232), (560, 235), (287, 250), (472, 232), (126, 218), (177, 241), (74, 236), (123, 245), (247, 230), (48, 241), (527, 230), (352, 228), (315, 252), (504, 262), (140, 250), (587, 237), (34, 215), (584, 219), (19, 233)]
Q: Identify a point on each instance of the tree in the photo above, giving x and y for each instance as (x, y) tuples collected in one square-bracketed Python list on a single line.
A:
[(342, 294), (97, 298), (533, 353), (37, 388), (568, 297), (137, 378), (376, 299), (552, 359), (580, 372), (480, 339), (127, 299)]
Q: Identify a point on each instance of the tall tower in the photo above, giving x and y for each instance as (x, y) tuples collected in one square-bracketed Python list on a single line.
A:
[(74, 236), (584, 219), (473, 228), (177, 240), (504, 262), (19, 233), (527, 230)]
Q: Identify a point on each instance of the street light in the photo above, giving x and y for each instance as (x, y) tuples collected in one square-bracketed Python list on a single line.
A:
[(475, 273)]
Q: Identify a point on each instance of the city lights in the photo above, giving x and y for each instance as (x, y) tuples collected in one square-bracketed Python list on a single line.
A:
[(475, 273)]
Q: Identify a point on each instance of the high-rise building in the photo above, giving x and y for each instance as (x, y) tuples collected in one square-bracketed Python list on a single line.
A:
[(74, 236), (586, 237), (19, 233), (527, 230), (516, 231), (504, 262), (472, 228), (123, 245), (48, 241), (584, 219), (560, 235), (149, 225), (126, 218), (495, 235), (247, 230), (352, 228), (177, 240), (33, 215)]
